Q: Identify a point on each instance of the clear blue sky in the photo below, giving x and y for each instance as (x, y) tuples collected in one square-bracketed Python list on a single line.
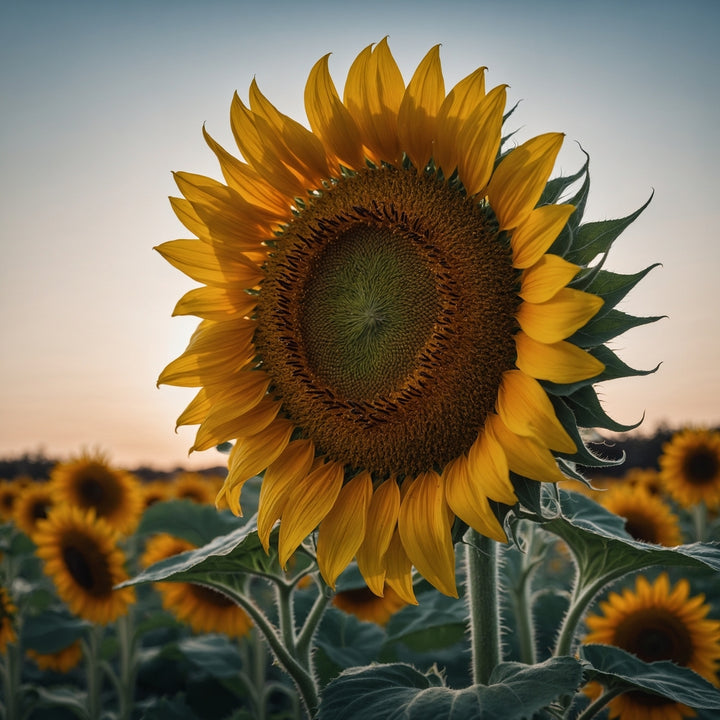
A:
[(100, 102)]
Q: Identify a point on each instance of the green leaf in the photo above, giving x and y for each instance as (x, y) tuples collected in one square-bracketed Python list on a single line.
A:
[(215, 655), (52, 631), (614, 667), (604, 327), (595, 238), (68, 698), (385, 692)]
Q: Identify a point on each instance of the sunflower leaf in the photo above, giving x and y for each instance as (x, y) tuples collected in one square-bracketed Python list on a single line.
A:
[(589, 413), (382, 692), (614, 667), (595, 238), (67, 698), (608, 326), (52, 630)]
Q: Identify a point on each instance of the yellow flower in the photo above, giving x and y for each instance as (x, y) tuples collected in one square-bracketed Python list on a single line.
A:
[(9, 492), (156, 491), (382, 306), (90, 482), (32, 505), (366, 605), (202, 608), (657, 622), (82, 557), (648, 518), (61, 661), (7, 620), (690, 467), (196, 487)]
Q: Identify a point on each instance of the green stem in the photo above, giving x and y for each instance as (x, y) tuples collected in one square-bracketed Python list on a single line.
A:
[(699, 514), (286, 614), (11, 680), (94, 672), (259, 676), (128, 665), (597, 706), (482, 598), (312, 621)]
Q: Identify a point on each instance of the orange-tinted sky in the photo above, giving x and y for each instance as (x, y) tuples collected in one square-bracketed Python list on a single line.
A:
[(100, 102)]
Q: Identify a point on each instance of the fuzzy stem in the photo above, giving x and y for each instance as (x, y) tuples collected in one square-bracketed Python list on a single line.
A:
[(312, 621), (128, 669), (699, 514), (482, 599), (10, 666), (597, 706), (94, 672)]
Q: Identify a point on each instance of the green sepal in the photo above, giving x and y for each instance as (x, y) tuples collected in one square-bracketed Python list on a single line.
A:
[(595, 238), (611, 287), (557, 186), (609, 325), (588, 412), (385, 692), (616, 668)]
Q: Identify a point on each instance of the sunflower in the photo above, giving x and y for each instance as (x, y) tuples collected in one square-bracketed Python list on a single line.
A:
[(9, 492), (656, 622), (690, 467), (366, 605), (205, 610), (82, 557), (647, 478), (194, 486), (647, 517), (383, 311), (7, 620), (32, 505), (156, 491), (89, 481), (61, 661)]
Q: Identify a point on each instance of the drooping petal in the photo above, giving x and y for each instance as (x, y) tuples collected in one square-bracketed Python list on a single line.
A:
[(526, 456), (329, 119), (558, 318), (526, 410), (307, 505), (399, 570), (468, 502), (425, 530), (537, 233), (417, 116), (488, 468), (543, 279), (291, 466), (560, 362), (521, 176), (343, 529), (381, 524), (215, 303)]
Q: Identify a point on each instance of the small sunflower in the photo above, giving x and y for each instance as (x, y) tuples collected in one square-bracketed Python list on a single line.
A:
[(647, 517), (657, 622), (61, 661), (82, 557), (33, 505), (647, 478), (7, 620), (196, 487), (89, 481), (9, 493), (690, 467), (156, 491), (384, 307), (205, 610), (366, 605)]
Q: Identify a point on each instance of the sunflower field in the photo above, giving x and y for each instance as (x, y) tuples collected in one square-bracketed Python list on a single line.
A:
[(403, 318)]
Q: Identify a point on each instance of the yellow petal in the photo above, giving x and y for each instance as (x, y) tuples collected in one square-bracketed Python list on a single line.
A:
[(479, 141), (381, 523), (189, 218), (399, 570), (343, 529), (526, 410), (329, 119), (537, 233), (215, 303), (425, 531), (308, 503), (459, 104), (560, 362), (467, 500), (520, 178), (488, 468), (196, 411), (558, 318), (526, 456), (386, 80), (282, 475), (548, 275), (417, 116)]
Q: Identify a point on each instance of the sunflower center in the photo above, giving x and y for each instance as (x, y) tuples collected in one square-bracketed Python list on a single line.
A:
[(98, 489), (701, 466), (87, 566), (641, 527), (655, 634), (208, 596), (386, 320)]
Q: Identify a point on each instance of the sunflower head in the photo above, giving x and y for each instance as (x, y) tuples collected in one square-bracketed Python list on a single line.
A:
[(81, 555), (690, 467), (9, 493), (366, 605), (33, 505), (391, 308), (62, 661), (195, 487), (90, 482), (657, 622)]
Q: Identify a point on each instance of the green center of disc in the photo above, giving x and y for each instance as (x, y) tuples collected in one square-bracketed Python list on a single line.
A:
[(370, 307)]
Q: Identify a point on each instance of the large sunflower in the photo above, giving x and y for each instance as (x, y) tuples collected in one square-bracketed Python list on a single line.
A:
[(657, 622), (690, 467), (383, 306), (91, 482), (202, 608), (82, 557)]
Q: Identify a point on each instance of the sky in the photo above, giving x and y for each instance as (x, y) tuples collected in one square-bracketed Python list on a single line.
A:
[(100, 102)]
